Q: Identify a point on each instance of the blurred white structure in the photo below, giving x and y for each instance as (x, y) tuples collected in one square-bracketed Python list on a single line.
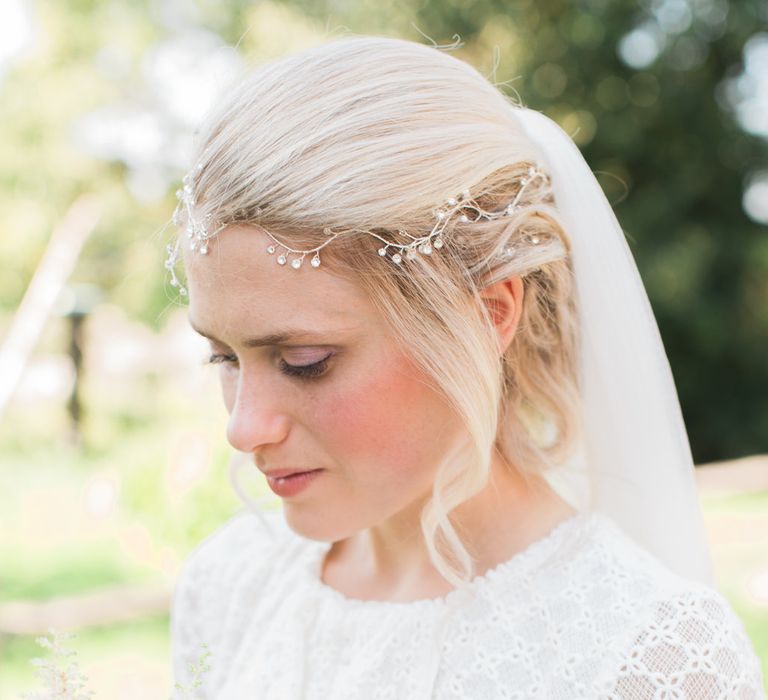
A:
[(16, 32)]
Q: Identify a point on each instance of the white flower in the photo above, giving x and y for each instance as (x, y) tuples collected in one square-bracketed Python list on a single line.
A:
[(60, 675)]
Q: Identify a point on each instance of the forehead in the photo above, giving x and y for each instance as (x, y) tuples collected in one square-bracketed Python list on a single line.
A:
[(239, 283)]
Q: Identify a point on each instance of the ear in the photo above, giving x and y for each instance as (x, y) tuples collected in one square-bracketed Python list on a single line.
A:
[(504, 301)]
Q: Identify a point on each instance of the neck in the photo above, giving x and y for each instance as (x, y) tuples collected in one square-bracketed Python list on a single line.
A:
[(390, 561)]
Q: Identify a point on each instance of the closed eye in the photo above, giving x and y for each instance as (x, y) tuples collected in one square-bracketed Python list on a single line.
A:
[(221, 358), (311, 371)]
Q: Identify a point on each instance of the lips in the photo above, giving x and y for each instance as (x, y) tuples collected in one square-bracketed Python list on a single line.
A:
[(282, 473), (294, 483)]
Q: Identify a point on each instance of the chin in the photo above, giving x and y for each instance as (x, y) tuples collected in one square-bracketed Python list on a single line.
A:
[(316, 526)]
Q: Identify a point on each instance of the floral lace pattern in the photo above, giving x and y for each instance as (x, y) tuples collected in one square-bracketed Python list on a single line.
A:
[(582, 613)]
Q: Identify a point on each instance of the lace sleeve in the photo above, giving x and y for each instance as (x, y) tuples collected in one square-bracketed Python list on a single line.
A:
[(201, 599), (693, 648)]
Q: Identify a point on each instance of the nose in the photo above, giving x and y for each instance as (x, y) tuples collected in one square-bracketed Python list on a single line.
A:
[(255, 418)]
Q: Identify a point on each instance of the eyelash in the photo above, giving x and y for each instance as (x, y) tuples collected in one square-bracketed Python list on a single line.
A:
[(313, 371)]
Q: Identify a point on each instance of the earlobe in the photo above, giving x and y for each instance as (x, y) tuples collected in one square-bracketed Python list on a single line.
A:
[(504, 301)]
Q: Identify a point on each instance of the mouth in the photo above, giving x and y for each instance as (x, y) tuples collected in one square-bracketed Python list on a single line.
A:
[(293, 483)]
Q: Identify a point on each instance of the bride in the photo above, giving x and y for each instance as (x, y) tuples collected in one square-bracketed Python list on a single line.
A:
[(433, 342)]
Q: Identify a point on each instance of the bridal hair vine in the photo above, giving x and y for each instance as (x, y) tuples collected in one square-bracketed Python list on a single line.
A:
[(200, 232)]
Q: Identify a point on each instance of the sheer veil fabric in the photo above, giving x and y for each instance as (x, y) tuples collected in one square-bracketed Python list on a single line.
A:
[(635, 463)]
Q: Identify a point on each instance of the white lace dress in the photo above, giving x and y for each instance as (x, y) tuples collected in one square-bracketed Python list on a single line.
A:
[(581, 613)]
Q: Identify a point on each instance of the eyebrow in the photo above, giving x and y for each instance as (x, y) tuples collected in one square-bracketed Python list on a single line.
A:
[(281, 338)]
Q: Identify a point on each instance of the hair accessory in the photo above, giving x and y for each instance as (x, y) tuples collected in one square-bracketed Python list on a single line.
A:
[(463, 206)]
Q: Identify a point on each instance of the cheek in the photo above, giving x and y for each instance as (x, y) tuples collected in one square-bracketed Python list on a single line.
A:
[(388, 421)]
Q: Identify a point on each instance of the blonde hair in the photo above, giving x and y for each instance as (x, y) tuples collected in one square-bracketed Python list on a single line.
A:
[(374, 134)]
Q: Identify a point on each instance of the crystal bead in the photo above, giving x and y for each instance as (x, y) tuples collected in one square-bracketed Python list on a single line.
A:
[(281, 259), (204, 249), (426, 248), (397, 258), (296, 263), (464, 219), (452, 202), (315, 262), (438, 243), (182, 291), (271, 249), (535, 239), (382, 252), (411, 255), (440, 215)]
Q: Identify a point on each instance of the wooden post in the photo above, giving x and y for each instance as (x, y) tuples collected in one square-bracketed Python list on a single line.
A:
[(58, 261)]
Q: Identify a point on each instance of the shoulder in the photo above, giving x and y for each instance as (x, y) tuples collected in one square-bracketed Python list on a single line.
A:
[(690, 644), (240, 550), (612, 621), (680, 638), (236, 539)]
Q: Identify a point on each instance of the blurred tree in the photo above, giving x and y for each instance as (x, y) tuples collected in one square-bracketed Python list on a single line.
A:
[(108, 98)]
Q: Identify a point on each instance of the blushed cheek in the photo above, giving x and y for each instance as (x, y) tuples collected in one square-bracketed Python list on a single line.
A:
[(386, 422)]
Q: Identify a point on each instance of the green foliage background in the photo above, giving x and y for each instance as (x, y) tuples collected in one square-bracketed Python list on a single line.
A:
[(669, 154)]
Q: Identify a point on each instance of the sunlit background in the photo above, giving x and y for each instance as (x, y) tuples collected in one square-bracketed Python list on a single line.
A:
[(113, 462)]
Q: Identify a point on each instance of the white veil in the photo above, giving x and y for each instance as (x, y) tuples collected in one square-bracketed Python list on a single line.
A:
[(635, 465)]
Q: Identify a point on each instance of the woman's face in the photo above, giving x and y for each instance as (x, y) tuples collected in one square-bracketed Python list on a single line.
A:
[(333, 392)]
